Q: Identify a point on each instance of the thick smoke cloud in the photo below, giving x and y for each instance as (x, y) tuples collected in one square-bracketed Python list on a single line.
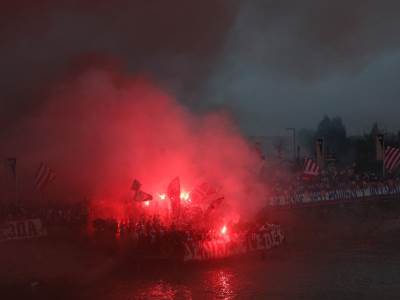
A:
[(273, 64), (176, 41), (101, 129), (256, 58)]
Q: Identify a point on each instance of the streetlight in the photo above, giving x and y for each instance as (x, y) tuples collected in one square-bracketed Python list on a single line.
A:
[(294, 141)]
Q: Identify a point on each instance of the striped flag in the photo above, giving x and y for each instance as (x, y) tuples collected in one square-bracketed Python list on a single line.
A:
[(311, 167), (392, 158), (44, 176)]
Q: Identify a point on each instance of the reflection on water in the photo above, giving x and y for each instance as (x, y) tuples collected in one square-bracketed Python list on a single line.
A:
[(221, 284), (216, 284), (342, 274), (163, 290)]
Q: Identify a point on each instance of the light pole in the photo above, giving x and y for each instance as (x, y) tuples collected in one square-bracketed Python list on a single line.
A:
[(293, 130)]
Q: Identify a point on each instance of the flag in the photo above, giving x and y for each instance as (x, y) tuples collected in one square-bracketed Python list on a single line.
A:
[(392, 158), (174, 189), (214, 204), (44, 176), (174, 194), (136, 185), (202, 191), (11, 166), (141, 196), (311, 167), (380, 146)]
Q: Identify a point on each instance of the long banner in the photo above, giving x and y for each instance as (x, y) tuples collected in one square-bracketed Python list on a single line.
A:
[(266, 238), (19, 230), (335, 195)]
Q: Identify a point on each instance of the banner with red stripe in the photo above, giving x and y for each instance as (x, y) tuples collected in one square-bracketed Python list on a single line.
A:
[(44, 176), (392, 158), (311, 167)]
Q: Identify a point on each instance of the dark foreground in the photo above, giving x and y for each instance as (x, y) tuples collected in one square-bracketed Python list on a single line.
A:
[(340, 259), (352, 273)]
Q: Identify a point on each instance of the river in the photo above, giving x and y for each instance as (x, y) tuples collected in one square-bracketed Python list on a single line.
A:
[(366, 271)]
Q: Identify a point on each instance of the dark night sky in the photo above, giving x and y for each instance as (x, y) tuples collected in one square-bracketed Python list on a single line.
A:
[(274, 64)]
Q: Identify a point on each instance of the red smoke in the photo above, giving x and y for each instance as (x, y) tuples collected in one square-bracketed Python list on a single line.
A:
[(101, 130)]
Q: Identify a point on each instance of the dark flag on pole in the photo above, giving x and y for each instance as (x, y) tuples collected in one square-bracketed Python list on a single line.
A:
[(140, 196), (174, 194), (136, 185)]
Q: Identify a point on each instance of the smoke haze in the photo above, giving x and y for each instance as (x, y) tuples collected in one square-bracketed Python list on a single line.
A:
[(106, 91), (103, 128), (273, 64)]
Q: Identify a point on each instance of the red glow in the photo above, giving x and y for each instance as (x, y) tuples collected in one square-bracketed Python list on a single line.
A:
[(144, 133)]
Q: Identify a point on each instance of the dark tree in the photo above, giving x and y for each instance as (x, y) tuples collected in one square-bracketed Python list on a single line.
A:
[(335, 138), (306, 141)]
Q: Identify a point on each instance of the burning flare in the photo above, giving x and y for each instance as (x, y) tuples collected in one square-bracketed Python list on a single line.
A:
[(185, 196), (224, 230)]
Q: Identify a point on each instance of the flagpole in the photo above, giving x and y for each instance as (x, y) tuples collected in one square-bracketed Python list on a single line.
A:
[(16, 188), (384, 156), (383, 163)]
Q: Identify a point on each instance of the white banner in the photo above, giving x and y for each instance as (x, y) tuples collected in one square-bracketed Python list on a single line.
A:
[(19, 230), (335, 195), (267, 237)]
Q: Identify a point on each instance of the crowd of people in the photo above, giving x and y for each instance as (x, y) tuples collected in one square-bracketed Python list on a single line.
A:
[(149, 231), (146, 235), (331, 181), (149, 236)]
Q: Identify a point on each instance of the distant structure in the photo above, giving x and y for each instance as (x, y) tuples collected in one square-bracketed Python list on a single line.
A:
[(275, 147)]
